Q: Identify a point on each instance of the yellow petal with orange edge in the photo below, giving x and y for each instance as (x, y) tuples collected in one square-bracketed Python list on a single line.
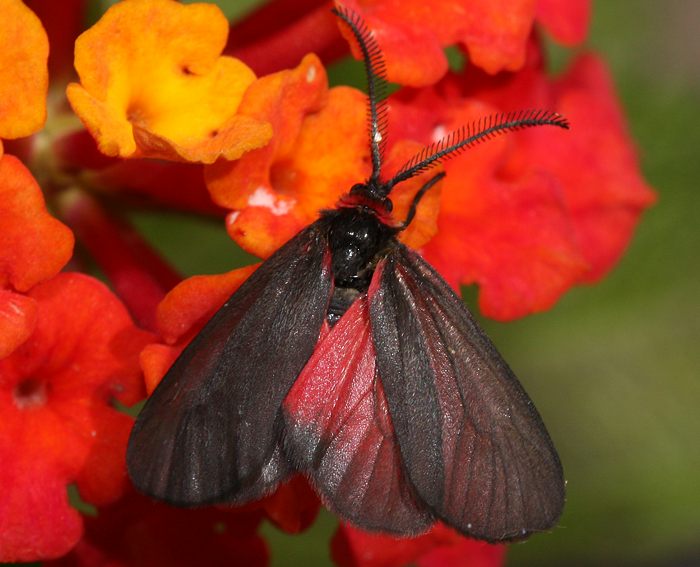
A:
[(24, 77), (153, 83)]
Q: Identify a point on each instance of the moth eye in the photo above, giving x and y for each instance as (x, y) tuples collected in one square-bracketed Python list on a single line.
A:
[(388, 205)]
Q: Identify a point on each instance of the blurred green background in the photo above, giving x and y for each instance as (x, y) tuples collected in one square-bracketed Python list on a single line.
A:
[(614, 367)]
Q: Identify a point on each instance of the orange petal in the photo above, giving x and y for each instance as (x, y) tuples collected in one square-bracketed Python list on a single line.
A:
[(33, 245), (182, 313), (17, 320), (314, 158), (192, 302), (155, 360), (283, 99), (24, 78), (424, 224), (153, 84)]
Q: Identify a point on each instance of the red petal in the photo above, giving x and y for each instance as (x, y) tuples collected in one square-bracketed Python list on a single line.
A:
[(440, 547), (462, 552), (596, 164), (293, 507), (566, 20), (514, 240), (536, 212), (56, 393), (413, 33), (36, 520), (137, 532)]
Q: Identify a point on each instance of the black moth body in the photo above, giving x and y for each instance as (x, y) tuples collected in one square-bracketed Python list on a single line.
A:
[(347, 358)]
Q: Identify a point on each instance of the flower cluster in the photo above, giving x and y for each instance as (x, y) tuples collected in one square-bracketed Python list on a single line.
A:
[(171, 106)]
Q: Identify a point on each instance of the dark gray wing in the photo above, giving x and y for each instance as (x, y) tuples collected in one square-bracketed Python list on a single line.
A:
[(472, 443), (210, 431)]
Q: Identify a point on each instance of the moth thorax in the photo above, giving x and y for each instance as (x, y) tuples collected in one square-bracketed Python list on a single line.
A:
[(356, 236)]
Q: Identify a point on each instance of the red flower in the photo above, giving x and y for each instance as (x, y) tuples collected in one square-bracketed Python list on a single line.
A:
[(529, 216), (412, 34), (59, 425), (136, 532), (440, 547)]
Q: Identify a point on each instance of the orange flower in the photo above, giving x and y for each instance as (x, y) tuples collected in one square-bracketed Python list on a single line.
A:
[(319, 151), (263, 187), (24, 75), (152, 80), (33, 247)]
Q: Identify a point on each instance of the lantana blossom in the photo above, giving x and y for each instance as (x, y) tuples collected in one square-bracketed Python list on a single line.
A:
[(439, 547), (59, 426), (182, 109), (150, 78), (136, 532), (412, 34), (23, 71)]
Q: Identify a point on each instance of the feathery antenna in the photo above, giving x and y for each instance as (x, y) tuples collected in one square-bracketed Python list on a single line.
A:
[(472, 134), (377, 86), (453, 144)]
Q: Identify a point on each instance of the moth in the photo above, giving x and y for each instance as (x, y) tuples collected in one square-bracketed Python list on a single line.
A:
[(346, 357)]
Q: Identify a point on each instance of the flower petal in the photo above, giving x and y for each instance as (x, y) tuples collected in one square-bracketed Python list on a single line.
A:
[(413, 33), (36, 519), (17, 320), (597, 165), (566, 20), (293, 507), (190, 304), (424, 225), (182, 313), (24, 78), (139, 532), (152, 80), (317, 154), (494, 33), (595, 162), (440, 547), (33, 245), (59, 426), (529, 215)]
